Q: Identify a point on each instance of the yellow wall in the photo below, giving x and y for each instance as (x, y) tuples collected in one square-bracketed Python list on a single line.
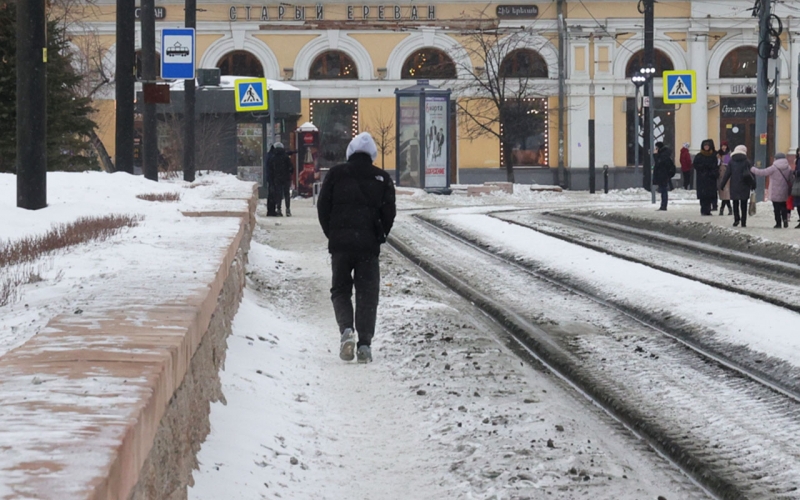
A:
[(371, 112), (380, 45), (620, 133), (105, 117), (683, 127), (285, 47)]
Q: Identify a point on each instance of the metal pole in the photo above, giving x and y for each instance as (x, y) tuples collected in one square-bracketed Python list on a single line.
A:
[(150, 120), (562, 77), (31, 161), (636, 132), (762, 100), (775, 105), (649, 54), (189, 104), (591, 157), (124, 85)]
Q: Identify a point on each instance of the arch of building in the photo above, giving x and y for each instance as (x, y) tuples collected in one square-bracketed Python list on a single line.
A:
[(256, 47), (733, 41), (507, 60), (333, 40), (541, 46), (343, 57), (420, 40), (630, 47)]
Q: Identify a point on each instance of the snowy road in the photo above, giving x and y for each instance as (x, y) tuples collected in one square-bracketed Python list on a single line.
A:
[(445, 411), (740, 430)]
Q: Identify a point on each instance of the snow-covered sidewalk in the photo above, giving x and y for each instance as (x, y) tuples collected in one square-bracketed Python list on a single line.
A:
[(445, 411)]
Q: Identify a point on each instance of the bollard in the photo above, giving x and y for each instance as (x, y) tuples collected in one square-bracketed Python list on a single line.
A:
[(605, 178)]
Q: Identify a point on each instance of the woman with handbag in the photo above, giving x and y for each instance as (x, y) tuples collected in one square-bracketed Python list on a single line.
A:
[(741, 183), (780, 184)]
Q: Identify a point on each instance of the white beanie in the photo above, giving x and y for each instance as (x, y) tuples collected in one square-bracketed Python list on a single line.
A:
[(362, 143), (741, 149)]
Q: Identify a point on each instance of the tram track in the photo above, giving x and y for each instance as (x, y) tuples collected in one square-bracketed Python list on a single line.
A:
[(732, 468)]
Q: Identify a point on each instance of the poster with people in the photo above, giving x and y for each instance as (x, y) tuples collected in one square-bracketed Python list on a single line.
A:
[(408, 153), (308, 166), (435, 142)]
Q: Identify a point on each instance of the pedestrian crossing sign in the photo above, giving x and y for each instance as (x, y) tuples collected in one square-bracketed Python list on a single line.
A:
[(680, 86), (251, 94)]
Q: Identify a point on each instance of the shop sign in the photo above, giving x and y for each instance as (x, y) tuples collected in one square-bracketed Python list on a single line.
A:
[(161, 13), (742, 107), (742, 89), (287, 12), (517, 11)]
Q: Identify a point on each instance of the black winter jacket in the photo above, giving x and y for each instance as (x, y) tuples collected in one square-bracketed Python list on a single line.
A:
[(280, 167), (664, 167), (706, 167), (356, 203), (738, 169)]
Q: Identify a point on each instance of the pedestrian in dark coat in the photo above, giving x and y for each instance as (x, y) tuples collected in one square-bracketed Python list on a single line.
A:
[(686, 166), (281, 169), (663, 171), (356, 209), (741, 183), (269, 182), (706, 166)]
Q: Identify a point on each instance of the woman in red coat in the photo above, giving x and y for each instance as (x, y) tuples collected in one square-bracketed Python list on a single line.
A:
[(686, 166)]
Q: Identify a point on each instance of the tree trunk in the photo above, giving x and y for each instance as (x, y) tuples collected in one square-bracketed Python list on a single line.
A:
[(508, 149), (101, 152)]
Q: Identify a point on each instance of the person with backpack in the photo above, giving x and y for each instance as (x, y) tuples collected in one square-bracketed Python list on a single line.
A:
[(280, 167), (663, 171), (780, 185), (740, 182), (356, 209)]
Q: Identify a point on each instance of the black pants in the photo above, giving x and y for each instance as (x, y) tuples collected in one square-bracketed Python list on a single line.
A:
[(271, 199), (363, 271), (781, 214), (725, 203), (705, 205), (687, 179), (282, 192), (740, 211), (664, 190)]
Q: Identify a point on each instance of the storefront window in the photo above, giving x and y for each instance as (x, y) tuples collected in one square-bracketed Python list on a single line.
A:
[(333, 65), (240, 63), (663, 128), (337, 120), (429, 63), (248, 145), (523, 63), (524, 124), (740, 63), (662, 63)]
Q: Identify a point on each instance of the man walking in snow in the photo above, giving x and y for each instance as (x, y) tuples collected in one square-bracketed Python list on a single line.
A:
[(356, 209)]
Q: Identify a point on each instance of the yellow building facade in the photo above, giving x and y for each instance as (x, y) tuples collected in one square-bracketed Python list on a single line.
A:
[(348, 58)]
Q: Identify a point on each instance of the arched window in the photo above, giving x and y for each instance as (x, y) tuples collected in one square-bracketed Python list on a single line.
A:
[(429, 63), (139, 64), (333, 65), (661, 61), (740, 63), (523, 63), (240, 63)]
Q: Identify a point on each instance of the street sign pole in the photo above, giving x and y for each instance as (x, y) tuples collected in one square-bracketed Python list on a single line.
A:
[(189, 103), (149, 118)]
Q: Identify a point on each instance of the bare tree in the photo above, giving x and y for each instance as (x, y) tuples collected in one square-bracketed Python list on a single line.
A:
[(89, 58), (382, 129), (501, 93), (210, 133)]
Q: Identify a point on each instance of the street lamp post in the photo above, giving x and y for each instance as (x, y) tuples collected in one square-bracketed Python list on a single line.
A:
[(648, 73), (638, 81)]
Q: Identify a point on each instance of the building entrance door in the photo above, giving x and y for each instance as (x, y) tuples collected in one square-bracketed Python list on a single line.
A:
[(738, 124)]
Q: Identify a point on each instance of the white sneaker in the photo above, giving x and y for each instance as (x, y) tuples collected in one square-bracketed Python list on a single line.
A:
[(347, 348)]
